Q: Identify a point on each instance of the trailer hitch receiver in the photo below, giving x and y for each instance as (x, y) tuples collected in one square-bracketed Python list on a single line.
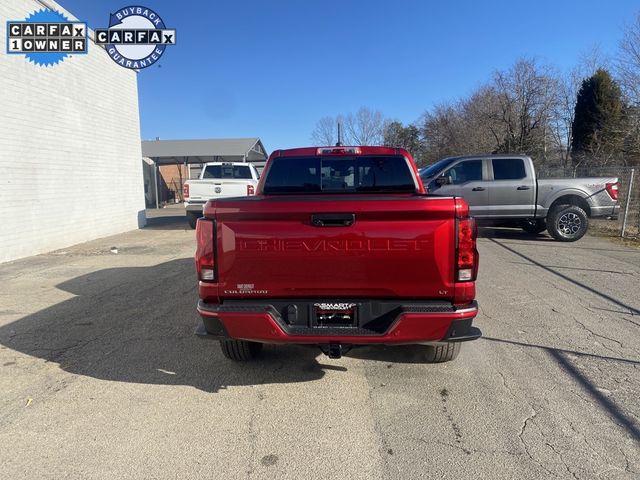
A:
[(334, 350)]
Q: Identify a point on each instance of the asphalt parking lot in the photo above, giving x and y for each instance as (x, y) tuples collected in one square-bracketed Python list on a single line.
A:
[(102, 377)]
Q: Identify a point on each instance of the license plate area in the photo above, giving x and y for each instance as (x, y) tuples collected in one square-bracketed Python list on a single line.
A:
[(335, 314)]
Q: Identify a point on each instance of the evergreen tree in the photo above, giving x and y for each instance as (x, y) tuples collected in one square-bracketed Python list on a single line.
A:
[(598, 129), (397, 135)]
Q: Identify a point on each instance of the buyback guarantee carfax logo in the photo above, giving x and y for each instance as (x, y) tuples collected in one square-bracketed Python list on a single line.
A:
[(136, 38), (46, 37)]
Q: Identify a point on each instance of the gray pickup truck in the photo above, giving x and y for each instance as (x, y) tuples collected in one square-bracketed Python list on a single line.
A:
[(504, 190)]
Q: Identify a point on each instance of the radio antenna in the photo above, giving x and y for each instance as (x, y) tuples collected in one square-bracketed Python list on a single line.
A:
[(339, 142)]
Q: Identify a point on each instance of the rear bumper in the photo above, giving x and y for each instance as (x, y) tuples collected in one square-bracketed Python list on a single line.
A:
[(608, 211), (423, 323), (194, 206)]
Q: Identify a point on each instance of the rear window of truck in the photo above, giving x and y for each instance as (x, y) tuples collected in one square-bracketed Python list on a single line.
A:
[(339, 175), (508, 168), (227, 171)]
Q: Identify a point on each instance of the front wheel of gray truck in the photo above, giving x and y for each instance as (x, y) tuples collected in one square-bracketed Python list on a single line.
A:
[(567, 223)]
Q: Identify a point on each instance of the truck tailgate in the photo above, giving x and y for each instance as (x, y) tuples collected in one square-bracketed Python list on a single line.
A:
[(397, 246), (217, 188)]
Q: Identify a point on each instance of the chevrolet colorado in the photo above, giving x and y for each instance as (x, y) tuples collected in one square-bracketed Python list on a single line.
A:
[(504, 190), (340, 246)]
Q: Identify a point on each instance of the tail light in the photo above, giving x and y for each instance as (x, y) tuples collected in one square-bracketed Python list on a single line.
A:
[(612, 190), (185, 191), (251, 190), (205, 249), (466, 251), (339, 151)]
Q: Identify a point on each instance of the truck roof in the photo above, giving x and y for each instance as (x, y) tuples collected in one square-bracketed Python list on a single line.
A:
[(363, 150), (488, 155)]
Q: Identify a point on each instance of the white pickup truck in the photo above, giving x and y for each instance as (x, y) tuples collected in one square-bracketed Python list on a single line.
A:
[(218, 180)]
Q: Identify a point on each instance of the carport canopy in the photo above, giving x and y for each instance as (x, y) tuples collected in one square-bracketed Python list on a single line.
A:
[(172, 152), (201, 151)]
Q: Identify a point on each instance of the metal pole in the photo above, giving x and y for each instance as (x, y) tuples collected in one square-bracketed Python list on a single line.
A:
[(626, 207), (155, 182)]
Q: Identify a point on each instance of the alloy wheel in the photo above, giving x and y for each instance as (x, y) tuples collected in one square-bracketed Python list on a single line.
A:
[(569, 224)]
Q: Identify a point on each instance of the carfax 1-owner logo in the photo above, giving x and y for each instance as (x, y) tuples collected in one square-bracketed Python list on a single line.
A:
[(136, 38), (46, 37)]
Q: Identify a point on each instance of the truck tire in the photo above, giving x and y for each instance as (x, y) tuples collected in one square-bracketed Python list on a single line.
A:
[(444, 352), (567, 223), (193, 219), (240, 350), (534, 226)]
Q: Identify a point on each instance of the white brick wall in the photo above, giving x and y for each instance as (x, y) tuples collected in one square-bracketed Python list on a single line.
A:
[(70, 155)]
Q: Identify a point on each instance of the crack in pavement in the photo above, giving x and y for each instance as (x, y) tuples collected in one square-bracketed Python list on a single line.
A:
[(559, 455), (523, 428), (468, 450)]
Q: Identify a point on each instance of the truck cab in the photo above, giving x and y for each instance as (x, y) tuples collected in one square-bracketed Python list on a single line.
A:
[(492, 186)]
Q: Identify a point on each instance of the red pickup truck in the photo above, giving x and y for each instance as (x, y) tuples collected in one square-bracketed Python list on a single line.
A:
[(340, 246)]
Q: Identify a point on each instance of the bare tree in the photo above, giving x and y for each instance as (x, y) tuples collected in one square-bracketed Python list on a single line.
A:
[(526, 96), (512, 113), (325, 131), (589, 61), (467, 126), (561, 118), (442, 131), (365, 127), (628, 72), (480, 127), (628, 62)]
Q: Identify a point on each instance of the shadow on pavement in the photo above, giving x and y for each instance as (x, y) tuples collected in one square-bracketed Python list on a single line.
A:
[(168, 222), (580, 269), (136, 325), (524, 238), (569, 352), (602, 295), (391, 354), (562, 358), (512, 234)]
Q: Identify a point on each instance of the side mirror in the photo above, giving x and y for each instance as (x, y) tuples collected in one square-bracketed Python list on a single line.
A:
[(443, 180)]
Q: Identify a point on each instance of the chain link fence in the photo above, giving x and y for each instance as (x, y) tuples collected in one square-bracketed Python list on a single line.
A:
[(627, 225)]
